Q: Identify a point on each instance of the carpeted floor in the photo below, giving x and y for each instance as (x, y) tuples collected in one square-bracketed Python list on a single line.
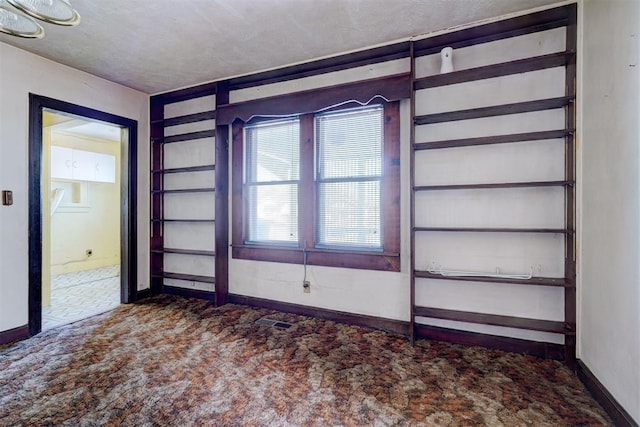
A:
[(176, 361)]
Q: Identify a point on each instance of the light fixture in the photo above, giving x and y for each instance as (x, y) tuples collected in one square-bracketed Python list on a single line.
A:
[(16, 24), (59, 12)]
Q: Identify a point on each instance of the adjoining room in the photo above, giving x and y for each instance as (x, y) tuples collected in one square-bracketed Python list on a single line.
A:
[(81, 236)]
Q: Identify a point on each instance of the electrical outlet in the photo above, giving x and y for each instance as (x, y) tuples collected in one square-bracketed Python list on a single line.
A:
[(306, 286), (7, 197), (89, 252)]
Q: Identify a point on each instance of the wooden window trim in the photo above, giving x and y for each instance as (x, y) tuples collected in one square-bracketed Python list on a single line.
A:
[(392, 88), (386, 260)]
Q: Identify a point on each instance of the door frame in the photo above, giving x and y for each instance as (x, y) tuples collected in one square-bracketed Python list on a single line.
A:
[(128, 202)]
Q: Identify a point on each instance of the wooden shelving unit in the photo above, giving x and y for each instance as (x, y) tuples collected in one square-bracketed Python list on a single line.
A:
[(186, 169), (531, 184), (495, 320), (183, 220), (557, 18), (184, 251), (186, 277), (186, 190), (537, 281), (187, 118), (185, 136), (496, 70), (494, 230), (218, 170), (498, 139), (494, 110)]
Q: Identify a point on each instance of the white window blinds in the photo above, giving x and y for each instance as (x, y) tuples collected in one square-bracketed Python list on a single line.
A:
[(272, 179), (349, 177)]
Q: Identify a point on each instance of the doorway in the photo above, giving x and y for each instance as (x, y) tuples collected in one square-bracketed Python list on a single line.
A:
[(81, 218), (82, 169)]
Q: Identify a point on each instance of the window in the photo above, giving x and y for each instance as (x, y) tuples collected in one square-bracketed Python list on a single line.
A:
[(322, 187), (349, 174), (272, 175)]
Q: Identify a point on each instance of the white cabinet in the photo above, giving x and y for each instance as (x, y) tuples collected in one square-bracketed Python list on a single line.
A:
[(80, 165), (83, 165), (105, 167), (61, 160)]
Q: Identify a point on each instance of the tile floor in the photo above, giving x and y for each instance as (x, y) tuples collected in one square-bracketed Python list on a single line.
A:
[(76, 296)]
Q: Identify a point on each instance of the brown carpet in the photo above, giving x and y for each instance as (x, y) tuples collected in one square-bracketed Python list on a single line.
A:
[(176, 361)]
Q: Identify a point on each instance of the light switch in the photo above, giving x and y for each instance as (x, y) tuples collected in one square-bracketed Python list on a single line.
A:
[(7, 197)]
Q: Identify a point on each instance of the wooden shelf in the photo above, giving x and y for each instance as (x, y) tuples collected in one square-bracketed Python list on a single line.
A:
[(186, 94), (552, 60), (495, 320), (530, 184), (495, 70), (185, 190), (496, 110), (183, 220), (536, 281), (489, 140), (201, 168), (499, 30), (183, 252), (187, 118), (496, 230), (186, 136), (188, 292), (187, 277)]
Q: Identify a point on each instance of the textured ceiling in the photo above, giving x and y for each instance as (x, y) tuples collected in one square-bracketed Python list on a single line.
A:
[(158, 45)]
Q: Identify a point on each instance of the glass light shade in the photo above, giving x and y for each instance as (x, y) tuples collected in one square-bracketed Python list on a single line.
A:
[(17, 24), (58, 12)]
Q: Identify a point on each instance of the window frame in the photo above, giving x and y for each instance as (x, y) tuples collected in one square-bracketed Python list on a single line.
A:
[(351, 179), (250, 181), (386, 260)]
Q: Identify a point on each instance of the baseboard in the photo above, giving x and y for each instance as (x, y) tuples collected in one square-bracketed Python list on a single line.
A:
[(189, 293), (389, 325), (16, 334), (496, 342), (617, 413), (83, 265), (513, 345), (143, 293)]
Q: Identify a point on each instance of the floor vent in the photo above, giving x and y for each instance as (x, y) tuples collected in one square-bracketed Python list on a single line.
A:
[(275, 323)]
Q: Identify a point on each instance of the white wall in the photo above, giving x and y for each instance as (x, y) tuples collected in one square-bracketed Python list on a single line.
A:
[(20, 74), (609, 141)]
